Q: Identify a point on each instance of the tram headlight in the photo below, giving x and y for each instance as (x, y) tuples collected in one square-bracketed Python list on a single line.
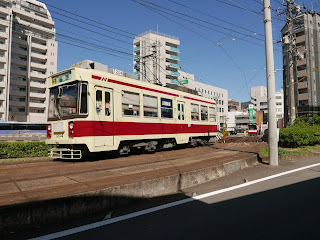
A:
[(71, 129), (49, 133)]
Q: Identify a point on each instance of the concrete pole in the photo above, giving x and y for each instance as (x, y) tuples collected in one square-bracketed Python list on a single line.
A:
[(291, 77), (271, 88)]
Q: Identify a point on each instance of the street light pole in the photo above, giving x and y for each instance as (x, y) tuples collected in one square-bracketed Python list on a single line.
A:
[(271, 88)]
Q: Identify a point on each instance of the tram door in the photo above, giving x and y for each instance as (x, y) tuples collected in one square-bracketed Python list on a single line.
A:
[(104, 117), (181, 120)]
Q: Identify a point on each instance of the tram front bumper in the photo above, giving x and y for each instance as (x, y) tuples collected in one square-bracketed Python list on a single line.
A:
[(65, 153)]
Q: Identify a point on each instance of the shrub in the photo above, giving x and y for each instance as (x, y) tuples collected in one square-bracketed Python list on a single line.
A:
[(23, 149), (304, 131)]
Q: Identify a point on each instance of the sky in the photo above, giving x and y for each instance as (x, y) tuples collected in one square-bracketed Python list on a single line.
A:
[(221, 41)]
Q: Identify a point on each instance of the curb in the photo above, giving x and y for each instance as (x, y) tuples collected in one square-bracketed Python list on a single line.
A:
[(40, 212)]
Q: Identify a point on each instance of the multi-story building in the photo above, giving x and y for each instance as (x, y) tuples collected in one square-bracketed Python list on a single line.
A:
[(260, 102), (156, 57), (306, 33), (233, 105), (28, 54), (156, 60)]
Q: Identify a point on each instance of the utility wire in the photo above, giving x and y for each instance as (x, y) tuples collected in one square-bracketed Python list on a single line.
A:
[(200, 20), (222, 20)]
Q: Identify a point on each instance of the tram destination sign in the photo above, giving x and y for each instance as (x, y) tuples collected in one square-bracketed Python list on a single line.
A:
[(61, 78)]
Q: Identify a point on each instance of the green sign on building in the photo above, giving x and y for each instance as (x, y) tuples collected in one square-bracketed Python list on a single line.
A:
[(250, 112)]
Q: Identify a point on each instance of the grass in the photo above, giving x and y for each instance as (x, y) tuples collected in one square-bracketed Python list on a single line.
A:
[(292, 151)]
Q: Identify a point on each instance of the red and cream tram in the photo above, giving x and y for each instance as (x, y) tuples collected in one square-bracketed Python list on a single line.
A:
[(95, 111)]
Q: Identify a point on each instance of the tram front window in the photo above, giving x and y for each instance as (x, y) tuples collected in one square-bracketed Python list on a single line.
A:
[(64, 101)]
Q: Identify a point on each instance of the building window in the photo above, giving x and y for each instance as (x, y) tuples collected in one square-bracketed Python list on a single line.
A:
[(130, 104), (150, 106)]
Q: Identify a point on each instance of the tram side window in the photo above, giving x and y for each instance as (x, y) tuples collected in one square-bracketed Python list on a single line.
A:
[(204, 113), (212, 114), (130, 104), (84, 99), (108, 104), (99, 101), (194, 112), (166, 108), (150, 106)]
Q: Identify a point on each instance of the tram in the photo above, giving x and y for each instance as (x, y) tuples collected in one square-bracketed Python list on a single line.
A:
[(93, 111), (253, 129)]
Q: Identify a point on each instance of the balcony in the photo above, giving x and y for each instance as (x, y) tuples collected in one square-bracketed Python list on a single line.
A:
[(40, 47), (3, 47), (19, 62), (302, 62), (136, 56), (36, 17), (303, 96), (38, 84), (300, 39), (4, 10), (3, 71), (302, 73), (302, 85), (2, 97), (137, 72), (19, 51), (175, 49), (1, 107), (38, 66), (19, 72), (37, 75), (17, 103), (174, 57), (136, 48), (174, 73), (18, 82), (37, 95), (37, 105), (39, 56), (174, 65), (2, 84), (17, 93), (3, 34)]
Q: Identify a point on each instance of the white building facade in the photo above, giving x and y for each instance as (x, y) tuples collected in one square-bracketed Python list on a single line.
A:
[(28, 54), (260, 101)]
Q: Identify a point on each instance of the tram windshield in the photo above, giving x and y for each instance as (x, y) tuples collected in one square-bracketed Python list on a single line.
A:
[(69, 100), (252, 127)]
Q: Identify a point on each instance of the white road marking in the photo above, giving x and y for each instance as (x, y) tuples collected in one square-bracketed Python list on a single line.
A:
[(168, 205)]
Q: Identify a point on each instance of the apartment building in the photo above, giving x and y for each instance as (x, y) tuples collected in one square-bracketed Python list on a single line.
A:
[(306, 32), (156, 57), (260, 102), (28, 54)]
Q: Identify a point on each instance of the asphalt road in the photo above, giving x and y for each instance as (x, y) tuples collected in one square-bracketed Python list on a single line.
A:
[(284, 207)]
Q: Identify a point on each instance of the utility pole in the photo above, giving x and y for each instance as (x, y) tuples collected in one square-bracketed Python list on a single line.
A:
[(271, 86), (155, 57), (290, 63)]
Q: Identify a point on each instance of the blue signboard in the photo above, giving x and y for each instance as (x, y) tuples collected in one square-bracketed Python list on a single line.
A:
[(166, 103)]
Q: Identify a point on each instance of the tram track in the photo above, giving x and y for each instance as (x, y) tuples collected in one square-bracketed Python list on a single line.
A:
[(100, 166)]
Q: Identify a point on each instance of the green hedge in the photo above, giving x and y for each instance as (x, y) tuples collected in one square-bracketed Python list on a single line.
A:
[(303, 132), (23, 149)]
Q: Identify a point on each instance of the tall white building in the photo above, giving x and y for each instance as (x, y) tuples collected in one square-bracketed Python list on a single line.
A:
[(260, 101), (156, 60), (28, 54)]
